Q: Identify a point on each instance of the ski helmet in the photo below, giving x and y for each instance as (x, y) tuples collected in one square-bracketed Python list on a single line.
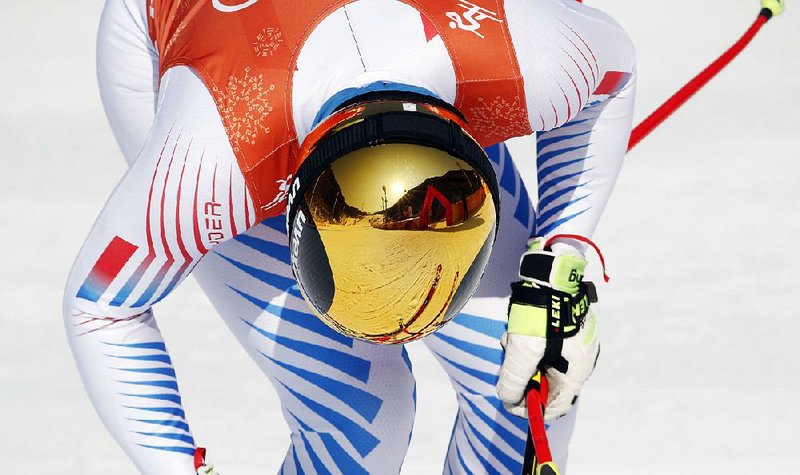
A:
[(391, 216)]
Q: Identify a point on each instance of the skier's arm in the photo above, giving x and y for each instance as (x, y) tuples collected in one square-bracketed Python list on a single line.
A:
[(578, 65), (126, 363), (183, 195), (578, 164), (118, 347), (127, 73)]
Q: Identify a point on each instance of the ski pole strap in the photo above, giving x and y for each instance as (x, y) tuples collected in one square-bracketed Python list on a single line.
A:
[(546, 312)]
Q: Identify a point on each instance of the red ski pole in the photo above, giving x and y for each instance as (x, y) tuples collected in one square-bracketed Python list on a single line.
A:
[(538, 459), (769, 8)]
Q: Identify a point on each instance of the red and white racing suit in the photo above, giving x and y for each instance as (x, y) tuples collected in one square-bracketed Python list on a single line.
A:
[(184, 207)]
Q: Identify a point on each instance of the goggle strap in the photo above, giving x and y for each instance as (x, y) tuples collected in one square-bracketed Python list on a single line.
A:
[(405, 127)]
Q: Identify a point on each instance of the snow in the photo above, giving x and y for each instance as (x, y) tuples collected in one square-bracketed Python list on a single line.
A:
[(699, 322)]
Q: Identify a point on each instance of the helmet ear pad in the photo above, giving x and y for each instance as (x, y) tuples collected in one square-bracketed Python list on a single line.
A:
[(390, 240)]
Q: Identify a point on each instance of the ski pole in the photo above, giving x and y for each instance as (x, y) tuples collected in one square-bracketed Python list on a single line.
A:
[(538, 459), (769, 8)]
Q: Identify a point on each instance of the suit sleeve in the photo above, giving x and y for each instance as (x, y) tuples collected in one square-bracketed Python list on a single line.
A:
[(182, 195), (127, 74), (578, 163)]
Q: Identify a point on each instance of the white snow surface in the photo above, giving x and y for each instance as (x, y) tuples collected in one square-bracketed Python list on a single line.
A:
[(699, 370)]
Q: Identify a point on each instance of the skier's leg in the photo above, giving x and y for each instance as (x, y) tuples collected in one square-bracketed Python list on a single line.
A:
[(486, 438), (350, 405)]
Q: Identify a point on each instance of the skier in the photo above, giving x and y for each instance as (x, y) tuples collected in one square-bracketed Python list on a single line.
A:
[(192, 105)]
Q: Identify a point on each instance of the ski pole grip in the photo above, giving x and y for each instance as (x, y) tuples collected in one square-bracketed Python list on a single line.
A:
[(536, 398), (771, 8)]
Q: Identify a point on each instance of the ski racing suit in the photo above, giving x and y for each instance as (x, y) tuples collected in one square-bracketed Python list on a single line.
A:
[(184, 207)]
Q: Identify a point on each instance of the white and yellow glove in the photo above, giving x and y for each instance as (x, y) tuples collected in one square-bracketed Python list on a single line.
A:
[(550, 327), (207, 470), (202, 467)]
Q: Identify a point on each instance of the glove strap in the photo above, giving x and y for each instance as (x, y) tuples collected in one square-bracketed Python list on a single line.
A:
[(549, 313), (546, 312)]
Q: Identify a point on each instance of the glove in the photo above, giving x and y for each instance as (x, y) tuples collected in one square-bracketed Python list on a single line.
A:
[(207, 470), (550, 327), (200, 463)]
